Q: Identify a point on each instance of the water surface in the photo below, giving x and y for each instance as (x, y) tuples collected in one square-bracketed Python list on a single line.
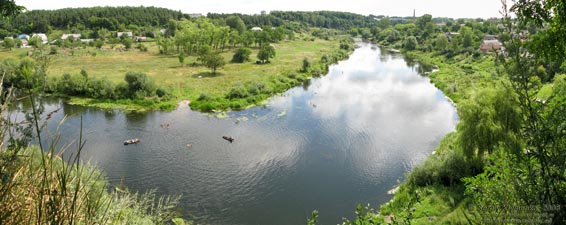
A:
[(343, 139)]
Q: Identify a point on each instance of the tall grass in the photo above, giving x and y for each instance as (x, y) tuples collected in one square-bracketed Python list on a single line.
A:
[(37, 186)]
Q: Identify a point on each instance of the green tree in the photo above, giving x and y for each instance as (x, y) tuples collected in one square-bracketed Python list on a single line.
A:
[(489, 119), (535, 175), (441, 43), (466, 35), (35, 42), (549, 17), (410, 43), (203, 53), (127, 42), (165, 45), (236, 23), (8, 8), (103, 33), (242, 55), (182, 58), (9, 43), (266, 52), (384, 23), (214, 61), (98, 44), (425, 25), (139, 85), (306, 65)]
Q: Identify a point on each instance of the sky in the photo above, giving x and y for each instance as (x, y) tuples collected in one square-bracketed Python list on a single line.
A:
[(437, 8)]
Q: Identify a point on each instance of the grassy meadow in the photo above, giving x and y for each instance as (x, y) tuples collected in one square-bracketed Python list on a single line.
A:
[(184, 81)]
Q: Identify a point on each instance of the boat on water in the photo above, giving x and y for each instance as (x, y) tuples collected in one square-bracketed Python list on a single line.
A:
[(131, 141), (230, 139)]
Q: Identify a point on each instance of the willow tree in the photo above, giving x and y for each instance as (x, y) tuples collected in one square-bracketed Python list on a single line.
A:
[(489, 119), (536, 175)]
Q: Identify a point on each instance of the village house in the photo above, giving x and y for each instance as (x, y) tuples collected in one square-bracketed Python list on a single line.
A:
[(74, 36), (256, 29), (196, 15), (140, 39), (451, 35), (490, 43), (128, 34), (23, 36), (43, 37)]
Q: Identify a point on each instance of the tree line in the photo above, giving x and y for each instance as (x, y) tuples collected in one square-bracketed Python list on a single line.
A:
[(94, 18)]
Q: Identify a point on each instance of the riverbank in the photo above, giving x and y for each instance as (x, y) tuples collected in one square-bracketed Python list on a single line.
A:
[(41, 187), (235, 86), (457, 77), (420, 199)]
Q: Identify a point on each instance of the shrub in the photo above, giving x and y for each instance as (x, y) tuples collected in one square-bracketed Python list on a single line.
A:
[(238, 92), (242, 55), (53, 50), (204, 97), (306, 65), (161, 92), (139, 85)]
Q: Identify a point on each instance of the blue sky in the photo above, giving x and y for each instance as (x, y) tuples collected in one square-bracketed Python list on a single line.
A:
[(437, 8)]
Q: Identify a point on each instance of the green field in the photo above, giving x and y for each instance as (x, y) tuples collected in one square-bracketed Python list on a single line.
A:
[(186, 81)]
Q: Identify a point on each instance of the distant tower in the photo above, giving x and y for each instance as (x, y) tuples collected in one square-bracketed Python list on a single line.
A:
[(414, 15)]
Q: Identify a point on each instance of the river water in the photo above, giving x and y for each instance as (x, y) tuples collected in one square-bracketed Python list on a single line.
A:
[(343, 139)]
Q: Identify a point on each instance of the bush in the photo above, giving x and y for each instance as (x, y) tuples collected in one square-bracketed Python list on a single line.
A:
[(204, 97), (53, 50), (238, 92), (142, 47), (410, 43), (161, 92), (242, 55), (447, 167), (139, 85), (306, 65)]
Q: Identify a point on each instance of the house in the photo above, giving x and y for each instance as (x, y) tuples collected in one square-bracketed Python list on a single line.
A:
[(86, 41), (74, 36), (42, 36), (196, 15), (23, 36), (490, 37), (490, 45), (128, 34), (140, 39), (24, 43), (494, 19), (450, 35), (256, 29)]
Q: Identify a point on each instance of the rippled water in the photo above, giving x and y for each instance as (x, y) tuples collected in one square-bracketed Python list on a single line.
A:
[(346, 138)]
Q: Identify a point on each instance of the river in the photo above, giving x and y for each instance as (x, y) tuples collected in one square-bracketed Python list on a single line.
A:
[(345, 138)]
